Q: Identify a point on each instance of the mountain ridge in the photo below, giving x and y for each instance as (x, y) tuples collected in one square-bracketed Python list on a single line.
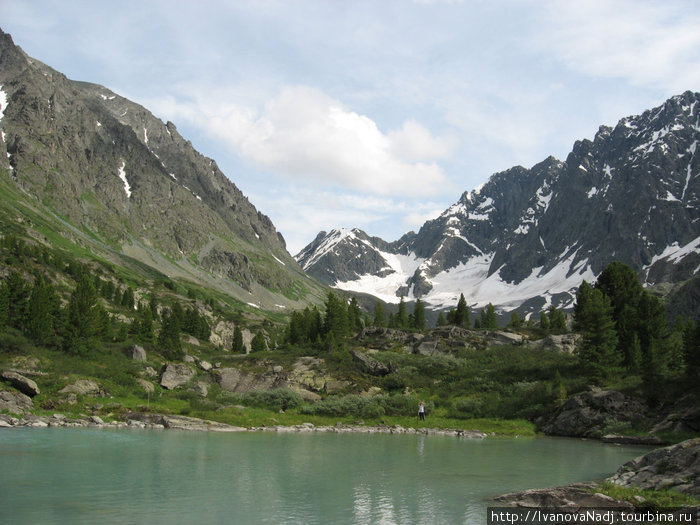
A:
[(530, 236), (131, 185)]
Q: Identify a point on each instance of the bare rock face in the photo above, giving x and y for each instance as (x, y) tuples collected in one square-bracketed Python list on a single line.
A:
[(371, 365), (83, 387), (176, 375), (15, 402), (235, 380), (587, 413), (21, 383), (676, 467), (137, 353), (565, 343)]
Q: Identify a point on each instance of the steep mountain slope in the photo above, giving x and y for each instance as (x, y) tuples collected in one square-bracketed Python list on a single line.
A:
[(530, 236), (113, 176)]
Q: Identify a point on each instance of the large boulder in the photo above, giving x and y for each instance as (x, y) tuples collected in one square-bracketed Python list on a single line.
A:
[(83, 387), (15, 402), (176, 375), (588, 413), (565, 343), (572, 496), (236, 380), (21, 383), (137, 353), (676, 467)]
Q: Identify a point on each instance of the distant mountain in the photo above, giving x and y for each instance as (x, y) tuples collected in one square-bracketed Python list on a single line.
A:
[(528, 237), (107, 174)]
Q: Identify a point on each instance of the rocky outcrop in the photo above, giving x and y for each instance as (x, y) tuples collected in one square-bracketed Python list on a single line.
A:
[(176, 375), (15, 402), (239, 381), (586, 414), (685, 417), (84, 387), (567, 496), (21, 383), (371, 365), (137, 353), (676, 467), (565, 343)]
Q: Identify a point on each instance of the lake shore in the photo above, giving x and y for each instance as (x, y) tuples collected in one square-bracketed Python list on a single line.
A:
[(143, 420)]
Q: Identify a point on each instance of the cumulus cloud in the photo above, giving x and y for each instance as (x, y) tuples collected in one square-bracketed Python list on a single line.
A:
[(304, 135)]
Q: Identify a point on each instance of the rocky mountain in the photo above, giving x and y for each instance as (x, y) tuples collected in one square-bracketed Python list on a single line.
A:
[(528, 237), (107, 174)]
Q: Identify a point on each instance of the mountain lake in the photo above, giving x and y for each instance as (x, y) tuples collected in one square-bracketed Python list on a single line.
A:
[(75, 476)]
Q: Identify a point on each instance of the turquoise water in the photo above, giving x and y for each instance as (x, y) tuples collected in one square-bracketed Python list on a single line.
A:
[(129, 476)]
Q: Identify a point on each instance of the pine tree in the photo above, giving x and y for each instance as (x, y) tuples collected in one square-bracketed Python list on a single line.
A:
[(258, 344), (653, 342), (491, 320), (402, 316), (544, 321), (169, 336), (84, 317), (18, 296), (419, 315), (41, 309), (237, 345), (619, 282), (128, 298), (146, 325), (515, 321), (557, 321), (354, 315), (4, 304), (379, 315), (461, 315), (441, 321), (598, 352), (336, 320), (691, 350)]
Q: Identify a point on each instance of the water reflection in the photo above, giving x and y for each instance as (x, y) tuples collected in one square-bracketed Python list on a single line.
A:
[(82, 476)]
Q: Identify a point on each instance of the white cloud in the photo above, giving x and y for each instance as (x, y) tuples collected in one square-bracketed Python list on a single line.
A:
[(305, 135), (646, 43)]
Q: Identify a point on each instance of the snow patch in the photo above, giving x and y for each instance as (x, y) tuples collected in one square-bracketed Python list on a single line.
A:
[(122, 176), (253, 305), (674, 253), (593, 191), (3, 103), (276, 259)]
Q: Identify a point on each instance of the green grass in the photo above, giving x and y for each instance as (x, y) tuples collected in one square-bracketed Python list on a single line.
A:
[(647, 498)]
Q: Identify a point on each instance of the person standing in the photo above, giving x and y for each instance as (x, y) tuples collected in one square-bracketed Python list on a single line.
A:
[(421, 411)]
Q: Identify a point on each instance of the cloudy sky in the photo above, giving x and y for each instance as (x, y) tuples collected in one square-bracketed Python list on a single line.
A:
[(371, 114)]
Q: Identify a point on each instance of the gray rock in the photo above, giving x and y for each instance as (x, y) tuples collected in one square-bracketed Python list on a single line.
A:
[(586, 414), (146, 385), (676, 467), (83, 387), (205, 365), (504, 338), (619, 439), (565, 343), (176, 375), (371, 365), (569, 496), (21, 383), (201, 389), (235, 380), (137, 353), (15, 402)]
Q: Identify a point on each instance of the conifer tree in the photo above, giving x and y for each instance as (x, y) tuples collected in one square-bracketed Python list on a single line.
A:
[(691, 350), (419, 315), (461, 315), (354, 315), (4, 304), (336, 320), (598, 352), (557, 321), (544, 321), (402, 315), (83, 310), (18, 296), (491, 320), (258, 344), (441, 321), (515, 321), (379, 315), (237, 345), (653, 342), (169, 336), (146, 325), (41, 311)]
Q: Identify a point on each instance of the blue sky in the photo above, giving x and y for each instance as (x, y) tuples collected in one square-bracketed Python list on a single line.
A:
[(378, 115)]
